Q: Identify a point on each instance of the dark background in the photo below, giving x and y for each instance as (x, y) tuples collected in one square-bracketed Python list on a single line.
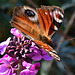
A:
[(65, 47)]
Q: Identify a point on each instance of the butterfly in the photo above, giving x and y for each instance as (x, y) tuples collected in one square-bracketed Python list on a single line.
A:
[(39, 25)]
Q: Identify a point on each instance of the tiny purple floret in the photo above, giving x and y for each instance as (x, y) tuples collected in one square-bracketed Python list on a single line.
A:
[(3, 46), (16, 32)]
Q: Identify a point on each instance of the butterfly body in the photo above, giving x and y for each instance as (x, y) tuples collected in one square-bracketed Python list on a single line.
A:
[(40, 25)]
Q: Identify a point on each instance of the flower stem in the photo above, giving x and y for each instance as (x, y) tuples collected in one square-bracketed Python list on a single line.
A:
[(19, 67)]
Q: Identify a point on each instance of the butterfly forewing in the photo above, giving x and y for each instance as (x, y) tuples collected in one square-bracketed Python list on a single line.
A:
[(21, 22)]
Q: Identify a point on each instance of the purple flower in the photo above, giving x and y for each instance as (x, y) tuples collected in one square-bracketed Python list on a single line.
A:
[(35, 66), (16, 32), (3, 46), (7, 68), (19, 48), (36, 55), (31, 69), (45, 55), (26, 65), (28, 72), (6, 57), (14, 74)]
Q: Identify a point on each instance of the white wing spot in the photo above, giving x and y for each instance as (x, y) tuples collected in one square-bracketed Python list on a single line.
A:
[(46, 13), (57, 19), (56, 28)]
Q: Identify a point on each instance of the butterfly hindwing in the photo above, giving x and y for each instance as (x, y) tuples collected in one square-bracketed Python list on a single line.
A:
[(44, 20), (50, 19)]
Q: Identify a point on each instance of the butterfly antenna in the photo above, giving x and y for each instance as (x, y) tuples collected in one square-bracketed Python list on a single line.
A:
[(66, 40), (70, 39), (64, 65)]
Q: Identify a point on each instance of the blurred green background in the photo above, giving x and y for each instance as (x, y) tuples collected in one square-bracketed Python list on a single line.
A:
[(65, 48)]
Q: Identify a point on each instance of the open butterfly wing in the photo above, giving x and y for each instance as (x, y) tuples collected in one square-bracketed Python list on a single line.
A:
[(21, 22), (48, 15)]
